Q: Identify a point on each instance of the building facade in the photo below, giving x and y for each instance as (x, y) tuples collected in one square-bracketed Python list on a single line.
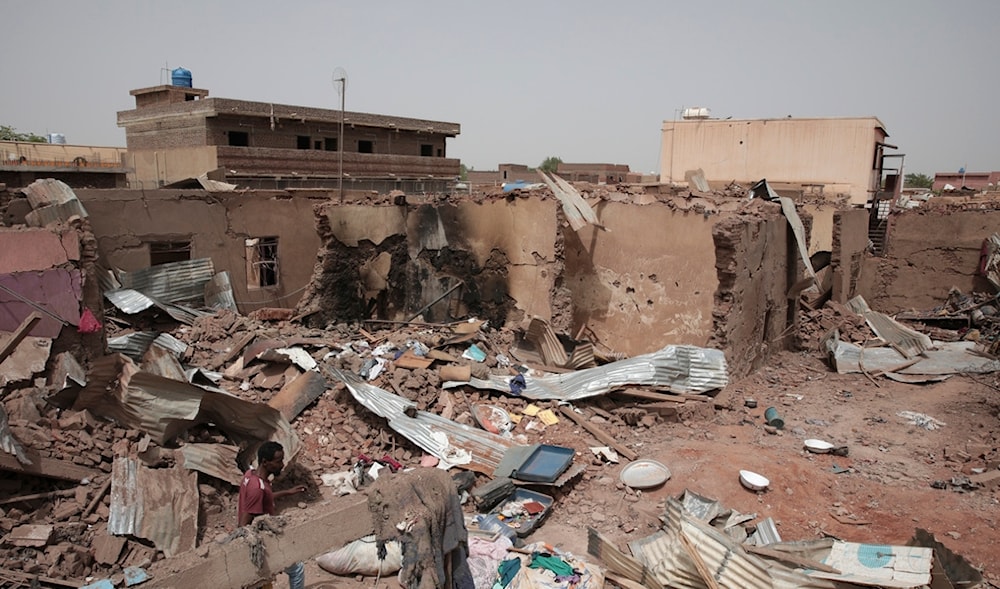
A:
[(80, 166), (177, 132), (827, 156)]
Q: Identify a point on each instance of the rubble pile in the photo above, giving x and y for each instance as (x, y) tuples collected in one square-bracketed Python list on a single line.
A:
[(255, 359)]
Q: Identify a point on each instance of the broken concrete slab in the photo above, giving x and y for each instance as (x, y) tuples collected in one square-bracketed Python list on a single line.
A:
[(30, 535)]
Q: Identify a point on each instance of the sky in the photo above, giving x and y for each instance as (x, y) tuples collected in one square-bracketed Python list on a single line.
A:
[(585, 81)]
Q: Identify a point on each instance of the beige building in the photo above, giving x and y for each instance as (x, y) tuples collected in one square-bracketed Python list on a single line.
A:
[(827, 156)]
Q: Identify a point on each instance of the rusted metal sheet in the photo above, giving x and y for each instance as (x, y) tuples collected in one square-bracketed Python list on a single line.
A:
[(219, 293), (453, 443), (163, 408), (160, 505), (215, 460), (298, 394), (681, 369)]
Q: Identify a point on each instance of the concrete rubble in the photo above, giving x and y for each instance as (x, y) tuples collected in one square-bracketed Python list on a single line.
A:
[(119, 445)]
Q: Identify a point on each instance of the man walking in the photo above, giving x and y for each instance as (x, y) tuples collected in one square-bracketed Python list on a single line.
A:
[(257, 498)]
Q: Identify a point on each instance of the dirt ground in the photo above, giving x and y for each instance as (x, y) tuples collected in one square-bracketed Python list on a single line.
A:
[(880, 493)]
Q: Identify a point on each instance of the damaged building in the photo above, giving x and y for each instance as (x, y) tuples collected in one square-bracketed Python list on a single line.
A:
[(576, 355)]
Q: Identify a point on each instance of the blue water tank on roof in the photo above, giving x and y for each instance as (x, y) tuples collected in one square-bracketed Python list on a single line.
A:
[(180, 77)]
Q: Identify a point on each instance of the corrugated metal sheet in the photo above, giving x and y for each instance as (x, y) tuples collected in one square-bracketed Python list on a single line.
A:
[(60, 213), (133, 345), (909, 342), (215, 460), (440, 437), (160, 505), (576, 209), (681, 369), (129, 300), (730, 566), (8, 443), (219, 293), (173, 282)]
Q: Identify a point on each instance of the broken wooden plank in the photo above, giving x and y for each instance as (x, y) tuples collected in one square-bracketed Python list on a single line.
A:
[(237, 348), (19, 334), (46, 495), (410, 360), (598, 433), (47, 467), (699, 562), (228, 566)]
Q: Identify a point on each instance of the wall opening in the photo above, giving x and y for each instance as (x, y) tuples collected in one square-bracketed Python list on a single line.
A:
[(239, 139), (165, 252), (330, 143), (426, 150), (365, 146), (318, 144), (262, 262), (302, 141)]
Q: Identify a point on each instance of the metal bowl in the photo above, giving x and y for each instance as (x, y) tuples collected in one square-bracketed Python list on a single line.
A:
[(644, 474)]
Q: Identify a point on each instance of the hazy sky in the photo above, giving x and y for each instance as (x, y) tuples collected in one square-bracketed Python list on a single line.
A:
[(584, 80)]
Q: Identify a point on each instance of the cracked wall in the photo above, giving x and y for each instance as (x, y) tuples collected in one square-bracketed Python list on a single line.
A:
[(216, 225), (930, 250), (648, 281)]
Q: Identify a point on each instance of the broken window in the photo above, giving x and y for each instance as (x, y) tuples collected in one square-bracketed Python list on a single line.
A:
[(239, 139), (365, 146), (330, 143), (302, 141), (164, 252), (426, 150), (262, 262)]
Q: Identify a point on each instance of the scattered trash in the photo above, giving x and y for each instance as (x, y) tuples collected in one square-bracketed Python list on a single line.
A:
[(773, 419), (920, 420), (606, 453), (474, 353)]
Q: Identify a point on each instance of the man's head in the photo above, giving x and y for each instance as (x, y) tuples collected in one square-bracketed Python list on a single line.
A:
[(271, 457)]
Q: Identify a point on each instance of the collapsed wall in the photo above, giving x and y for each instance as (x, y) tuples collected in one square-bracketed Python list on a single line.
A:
[(657, 272), (930, 250)]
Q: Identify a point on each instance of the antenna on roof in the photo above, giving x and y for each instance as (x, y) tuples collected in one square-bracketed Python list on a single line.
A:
[(165, 68), (340, 82)]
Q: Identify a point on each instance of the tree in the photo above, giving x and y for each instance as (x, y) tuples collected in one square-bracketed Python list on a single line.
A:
[(918, 181), (463, 172), (550, 164), (10, 134)]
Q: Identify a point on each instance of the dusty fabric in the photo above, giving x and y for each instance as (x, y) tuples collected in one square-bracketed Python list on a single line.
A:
[(421, 510)]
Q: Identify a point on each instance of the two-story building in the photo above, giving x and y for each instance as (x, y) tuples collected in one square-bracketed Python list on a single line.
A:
[(178, 132)]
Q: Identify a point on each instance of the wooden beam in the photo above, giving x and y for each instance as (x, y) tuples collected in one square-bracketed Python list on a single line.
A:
[(19, 334), (329, 525), (598, 433), (47, 467)]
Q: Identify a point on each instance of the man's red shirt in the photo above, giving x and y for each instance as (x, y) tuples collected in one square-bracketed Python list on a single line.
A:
[(256, 497)]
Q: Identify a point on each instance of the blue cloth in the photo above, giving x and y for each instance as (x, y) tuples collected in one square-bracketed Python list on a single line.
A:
[(296, 576), (517, 385)]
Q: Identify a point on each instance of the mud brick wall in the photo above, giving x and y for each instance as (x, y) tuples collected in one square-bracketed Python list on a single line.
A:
[(930, 250), (850, 242), (757, 260)]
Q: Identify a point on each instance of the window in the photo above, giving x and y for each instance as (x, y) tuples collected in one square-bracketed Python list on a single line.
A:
[(303, 141), (239, 138), (330, 143), (440, 152), (318, 144), (164, 252), (262, 262), (426, 150), (365, 146)]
